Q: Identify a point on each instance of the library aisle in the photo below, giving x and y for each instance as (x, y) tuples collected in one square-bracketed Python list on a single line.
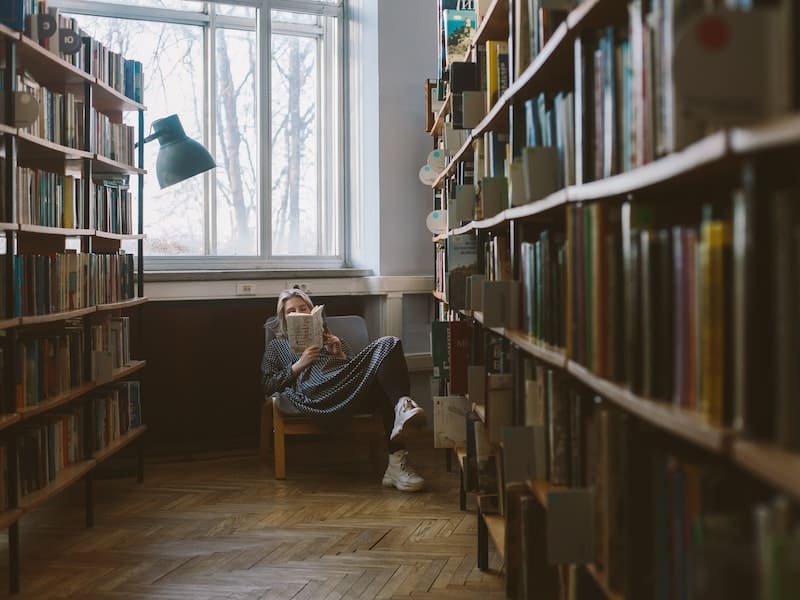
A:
[(223, 527)]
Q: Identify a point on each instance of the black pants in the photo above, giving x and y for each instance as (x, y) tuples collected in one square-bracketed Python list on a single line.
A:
[(390, 384)]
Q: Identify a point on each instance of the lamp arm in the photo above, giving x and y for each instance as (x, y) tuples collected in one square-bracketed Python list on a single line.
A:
[(149, 138)]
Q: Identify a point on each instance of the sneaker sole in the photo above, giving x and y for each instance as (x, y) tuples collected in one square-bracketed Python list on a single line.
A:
[(417, 419), (403, 487)]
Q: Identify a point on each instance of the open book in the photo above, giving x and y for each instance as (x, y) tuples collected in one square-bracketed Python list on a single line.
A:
[(305, 329)]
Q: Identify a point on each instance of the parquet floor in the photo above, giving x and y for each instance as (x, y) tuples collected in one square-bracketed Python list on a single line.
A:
[(222, 528)]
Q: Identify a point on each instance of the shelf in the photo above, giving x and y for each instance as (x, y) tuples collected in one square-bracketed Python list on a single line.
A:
[(47, 230), (439, 296), (50, 403), (774, 134), (119, 444), (9, 323), (496, 525), (535, 347), (7, 129), (8, 226), (773, 464), (439, 237), (35, 149), (540, 489), (8, 420), (438, 123), (592, 14), (106, 99), (461, 456), (121, 305), (536, 207), (480, 410), (60, 316), (494, 25), (9, 516), (107, 235), (7, 32), (601, 581), (128, 370), (102, 164), (694, 160), (69, 475), (50, 70), (680, 422)]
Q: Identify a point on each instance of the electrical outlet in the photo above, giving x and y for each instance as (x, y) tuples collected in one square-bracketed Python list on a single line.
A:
[(244, 288), (303, 285)]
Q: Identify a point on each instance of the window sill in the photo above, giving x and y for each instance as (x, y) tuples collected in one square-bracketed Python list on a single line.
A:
[(205, 285)]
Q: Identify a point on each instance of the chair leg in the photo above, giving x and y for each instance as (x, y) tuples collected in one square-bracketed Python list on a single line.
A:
[(265, 433), (280, 447)]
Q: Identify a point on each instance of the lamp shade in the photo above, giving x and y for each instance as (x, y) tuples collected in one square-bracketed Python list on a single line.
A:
[(179, 157)]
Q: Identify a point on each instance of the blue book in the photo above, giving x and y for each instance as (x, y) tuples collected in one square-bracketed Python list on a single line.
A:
[(12, 14)]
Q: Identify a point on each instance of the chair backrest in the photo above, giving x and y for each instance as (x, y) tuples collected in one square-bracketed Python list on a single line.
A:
[(352, 328)]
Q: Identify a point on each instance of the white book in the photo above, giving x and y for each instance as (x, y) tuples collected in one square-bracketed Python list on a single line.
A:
[(305, 329)]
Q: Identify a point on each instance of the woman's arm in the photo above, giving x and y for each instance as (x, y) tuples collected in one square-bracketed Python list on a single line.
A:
[(276, 370)]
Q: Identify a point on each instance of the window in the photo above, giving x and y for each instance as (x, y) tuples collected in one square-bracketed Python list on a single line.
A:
[(259, 83)]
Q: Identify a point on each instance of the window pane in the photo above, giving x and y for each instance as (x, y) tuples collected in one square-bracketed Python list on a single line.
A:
[(281, 16), (170, 4), (230, 10), (295, 193), (237, 206), (172, 63)]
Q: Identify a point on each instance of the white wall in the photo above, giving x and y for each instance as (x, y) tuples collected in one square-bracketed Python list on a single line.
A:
[(388, 92)]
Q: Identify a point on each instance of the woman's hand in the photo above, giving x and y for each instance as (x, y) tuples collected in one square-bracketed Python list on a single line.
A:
[(334, 345), (308, 358)]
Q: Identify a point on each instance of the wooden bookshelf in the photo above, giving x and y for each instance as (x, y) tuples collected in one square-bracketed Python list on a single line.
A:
[(494, 24), (9, 516), (57, 75), (601, 580), (50, 70), (438, 122), (101, 164), (69, 475), (49, 404), (775, 465), (641, 186), (122, 304), (9, 323), (36, 150), (108, 100), (439, 296), (57, 231), (53, 317), (124, 440), (686, 424)]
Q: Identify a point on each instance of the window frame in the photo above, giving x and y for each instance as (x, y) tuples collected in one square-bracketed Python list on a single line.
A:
[(331, 153)]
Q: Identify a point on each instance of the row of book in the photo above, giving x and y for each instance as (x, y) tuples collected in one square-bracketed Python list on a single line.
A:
[(51, 365), (62, 36), (651, 519), (117, 410), (47, 284), (62, 120), (73, 433), (45, 449)]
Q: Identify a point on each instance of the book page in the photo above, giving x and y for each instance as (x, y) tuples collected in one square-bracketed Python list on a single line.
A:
[(305, 329)]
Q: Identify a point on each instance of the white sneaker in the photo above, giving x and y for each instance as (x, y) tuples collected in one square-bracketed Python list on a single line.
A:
[(406, 412), (400, 475)]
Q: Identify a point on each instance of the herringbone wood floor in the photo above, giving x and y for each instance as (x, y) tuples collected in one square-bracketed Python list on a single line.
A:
[(222, 527)]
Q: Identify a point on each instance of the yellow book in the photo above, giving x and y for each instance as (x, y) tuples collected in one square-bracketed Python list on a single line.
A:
[(716, 235), (493, 49)]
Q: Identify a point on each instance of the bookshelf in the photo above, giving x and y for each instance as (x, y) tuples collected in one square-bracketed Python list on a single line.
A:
[(69, 398), (660, 272)]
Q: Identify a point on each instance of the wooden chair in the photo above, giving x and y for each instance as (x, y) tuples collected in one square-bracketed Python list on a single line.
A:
[(280, 418)]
